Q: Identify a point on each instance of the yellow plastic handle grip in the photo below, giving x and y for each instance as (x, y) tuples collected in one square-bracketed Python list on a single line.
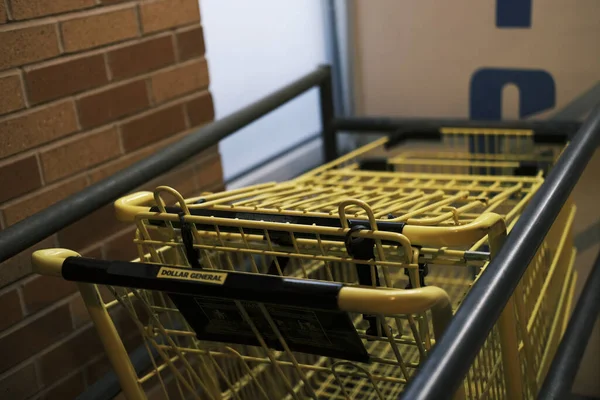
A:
[(126, 208), (49, 261)]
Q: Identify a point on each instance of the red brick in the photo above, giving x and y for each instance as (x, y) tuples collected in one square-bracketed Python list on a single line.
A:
[(18, 177), (79, 312), (49, 195), (141, 57), (27, 44), (70, 355), (120, 318), (182, 79), (19, 266), (95, 252), (220, 187), (99, 27), (154, 388), (26, 9), (105, 294), (96, 370), (107, 105), (209, 172), (21, 384), (91, 229), (70, 388), (36, 126), (166, 143), (115, 166), (200, 110), (190, 43), (164, 14), (203, 155), (11, 309), (3, 15), (124, 323), (64, 77), (76, 155), (11, 84), (34, 337), (134, 341), (112, 167), (200, 156), (43, 291), (122, 247), (152, 127), (181, 179)]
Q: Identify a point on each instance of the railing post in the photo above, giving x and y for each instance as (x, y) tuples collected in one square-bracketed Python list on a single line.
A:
[(327, 113)]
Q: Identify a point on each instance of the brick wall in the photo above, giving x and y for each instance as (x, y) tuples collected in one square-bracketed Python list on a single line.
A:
[(87, 87)]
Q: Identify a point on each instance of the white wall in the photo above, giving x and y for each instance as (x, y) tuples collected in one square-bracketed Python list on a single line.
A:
[(253, 48)]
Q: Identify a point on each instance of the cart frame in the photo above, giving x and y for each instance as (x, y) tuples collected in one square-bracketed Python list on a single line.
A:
[(453, 354)]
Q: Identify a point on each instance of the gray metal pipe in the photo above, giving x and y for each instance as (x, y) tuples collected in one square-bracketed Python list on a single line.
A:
[(39, 226), (388, 124)]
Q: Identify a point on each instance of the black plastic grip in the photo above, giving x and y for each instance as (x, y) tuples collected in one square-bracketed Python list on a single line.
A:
[(421, 134), (232, 285)]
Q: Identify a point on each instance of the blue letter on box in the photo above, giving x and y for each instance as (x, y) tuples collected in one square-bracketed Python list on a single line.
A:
[(513, 13), (537, 92)]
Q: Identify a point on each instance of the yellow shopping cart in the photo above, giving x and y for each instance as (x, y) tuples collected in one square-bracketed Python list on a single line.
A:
[(285, 337), (335, 284), (355, 245), (480, 151)]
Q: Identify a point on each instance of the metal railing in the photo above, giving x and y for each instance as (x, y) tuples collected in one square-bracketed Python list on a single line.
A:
[(422, 129), (32, 230)]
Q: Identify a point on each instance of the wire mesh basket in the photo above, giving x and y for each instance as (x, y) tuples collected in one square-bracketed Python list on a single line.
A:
[(230, 334), (412, 198), (336, 284), (480, 151), (350, 246)]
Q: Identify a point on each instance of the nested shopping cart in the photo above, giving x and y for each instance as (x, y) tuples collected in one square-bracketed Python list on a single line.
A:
[(325, 288), (475, 159), (481, 151)]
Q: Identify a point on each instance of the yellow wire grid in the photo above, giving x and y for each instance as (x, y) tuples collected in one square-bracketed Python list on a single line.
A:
[(233, 244), (432, 221), (460, 151)]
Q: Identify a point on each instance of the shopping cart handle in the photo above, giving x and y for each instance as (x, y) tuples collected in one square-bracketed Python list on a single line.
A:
[(243, 286), (399, 301), (50, 261), (488, 223), (126, 208)]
